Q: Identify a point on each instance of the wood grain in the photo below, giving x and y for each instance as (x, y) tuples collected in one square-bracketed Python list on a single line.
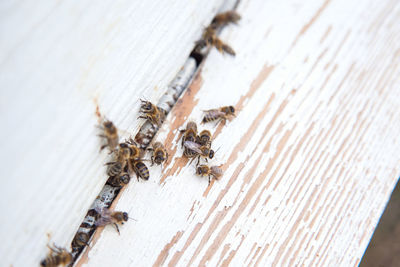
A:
[(310, 160)]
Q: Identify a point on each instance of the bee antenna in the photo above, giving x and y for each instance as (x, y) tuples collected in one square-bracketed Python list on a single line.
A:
[(215, 152), (132, 219)]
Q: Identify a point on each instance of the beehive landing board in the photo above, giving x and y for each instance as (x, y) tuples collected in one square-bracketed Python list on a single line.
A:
[(57, 58), (310, 160)]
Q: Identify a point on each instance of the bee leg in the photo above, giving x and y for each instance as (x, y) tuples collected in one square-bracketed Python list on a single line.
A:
[(137, 175), (191, 161), (209, 179), (103, 146), (116, 226), (152, 161), (110, 163), (166, 158)]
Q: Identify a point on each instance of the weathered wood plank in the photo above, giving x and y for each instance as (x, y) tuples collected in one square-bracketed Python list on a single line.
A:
[(309, 162), (57, 59)]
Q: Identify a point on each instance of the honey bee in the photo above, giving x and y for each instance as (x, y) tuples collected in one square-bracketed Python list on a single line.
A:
[(110, 133), (210, 38), (107, 217), (204, 138), (160, 154), (135, 152), (81, 239), (146, 106), (57, 256), (203, 151), (141, 170), (218, 114), (214, 171), (119, 180), (189, 134), (123, 154), (225, 18), (152, 113)]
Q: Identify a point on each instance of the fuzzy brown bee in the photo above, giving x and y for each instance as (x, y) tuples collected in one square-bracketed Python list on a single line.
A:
[(110, 133), (146, 106), (218, 114), (204, 138), (189, 134), (107, 217), (225, 18), (152, 113), (135, 152), (57, 256), (119, 180), (210, 38), (160, 154), (141, 170), (214, 171), (81, 239), (123, 154), (201, 151)]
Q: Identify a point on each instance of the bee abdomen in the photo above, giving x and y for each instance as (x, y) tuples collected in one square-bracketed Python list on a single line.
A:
[(142, 170), (51, 261), (114, 169), (209, 117)]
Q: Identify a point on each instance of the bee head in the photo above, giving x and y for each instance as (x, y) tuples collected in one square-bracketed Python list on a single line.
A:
[(125, 215), (108, 124), (199, 170), (125, 179)]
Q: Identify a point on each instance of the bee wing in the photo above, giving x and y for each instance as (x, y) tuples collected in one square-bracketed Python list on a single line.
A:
[(105, 216), (192, 146), (103, 221), (216, 170), (214, 112)]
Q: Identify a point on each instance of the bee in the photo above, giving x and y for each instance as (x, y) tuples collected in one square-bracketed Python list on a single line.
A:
[(204, 138), (214, 171), (106, 216), (135, 152), (225, 18), (160, 154), (152, 113), (110, 133), (146, 106), (203, 151), (189, 134), (123, 154), (210, 38), (218, 114), (57, 256), (81, 239), (141, 170), (119, 180)]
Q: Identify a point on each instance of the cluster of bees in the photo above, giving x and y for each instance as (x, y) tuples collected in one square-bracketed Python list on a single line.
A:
[(199, 145), (128, 156), (210, 38)]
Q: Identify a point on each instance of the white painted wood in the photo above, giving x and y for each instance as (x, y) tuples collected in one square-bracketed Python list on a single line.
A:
[(310, 160), (57, 59)]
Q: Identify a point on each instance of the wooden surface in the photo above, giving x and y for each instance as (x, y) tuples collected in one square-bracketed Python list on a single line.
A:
[(57, 60), (310, 160)]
